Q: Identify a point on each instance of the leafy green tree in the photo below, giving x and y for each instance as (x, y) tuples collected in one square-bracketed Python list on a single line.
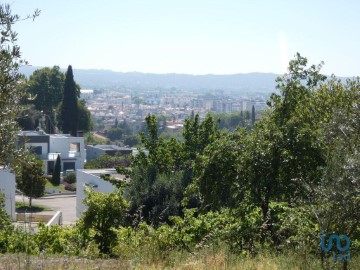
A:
[(104, 213), (56, 174), (46, 86), (259, 170), (115, 134), (197, 135), (84, 121), (132, 140), (335, 200), (31, 181), (294, 114), (154, 197), (69, 108), (284, 153), (10, 86), (159, 158), (126, 127), (46, 89), (216, 171), (4, 217), (29, 118), (155, 189)]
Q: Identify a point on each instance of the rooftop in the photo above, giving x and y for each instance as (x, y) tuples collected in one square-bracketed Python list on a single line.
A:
[(109, 147), (28, 133), (98, 172)]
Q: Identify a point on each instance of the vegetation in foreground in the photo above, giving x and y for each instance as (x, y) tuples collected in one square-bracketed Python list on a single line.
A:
[(205, 259), (214, 197)]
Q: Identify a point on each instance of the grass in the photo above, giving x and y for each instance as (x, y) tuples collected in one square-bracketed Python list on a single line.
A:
[(21, 207), (185, 261), (50, 185)]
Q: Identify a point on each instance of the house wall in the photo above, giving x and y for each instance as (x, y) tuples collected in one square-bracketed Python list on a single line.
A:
[(55, 143), (44, 153), (90, 178), (7, 187), (44, 148), (61, 144), (93, 152)]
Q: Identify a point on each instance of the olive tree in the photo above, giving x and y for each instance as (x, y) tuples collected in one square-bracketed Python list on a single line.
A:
[(10, 81)]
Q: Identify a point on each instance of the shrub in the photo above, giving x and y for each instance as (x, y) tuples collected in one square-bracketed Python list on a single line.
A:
[(70, 187), (71, 178)]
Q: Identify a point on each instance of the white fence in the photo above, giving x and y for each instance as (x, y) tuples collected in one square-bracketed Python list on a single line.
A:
[(56, 219)]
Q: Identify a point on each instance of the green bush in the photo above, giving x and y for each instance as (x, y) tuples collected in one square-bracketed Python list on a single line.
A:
[(70, 178), (70, 187)]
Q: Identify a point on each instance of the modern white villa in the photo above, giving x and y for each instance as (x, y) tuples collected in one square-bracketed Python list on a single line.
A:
[(48, 146)]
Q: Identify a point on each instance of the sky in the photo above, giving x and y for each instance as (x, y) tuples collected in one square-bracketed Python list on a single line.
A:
[(191, 36)]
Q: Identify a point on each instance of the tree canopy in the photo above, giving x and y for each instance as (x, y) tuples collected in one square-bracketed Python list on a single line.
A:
[(31, 181), (46, 86), (10, 82)]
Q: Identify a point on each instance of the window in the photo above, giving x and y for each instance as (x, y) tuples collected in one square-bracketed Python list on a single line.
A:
[(75, 147), (37, 150)]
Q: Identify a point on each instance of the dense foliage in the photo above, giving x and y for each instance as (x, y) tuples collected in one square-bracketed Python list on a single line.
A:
[(10, 90), (45, 89)]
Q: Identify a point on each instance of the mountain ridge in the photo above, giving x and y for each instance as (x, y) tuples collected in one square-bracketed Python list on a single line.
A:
[(99, 78)]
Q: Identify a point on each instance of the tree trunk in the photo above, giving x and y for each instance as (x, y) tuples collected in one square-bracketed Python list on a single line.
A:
[(30, 202), (266, 220), (345, 264)]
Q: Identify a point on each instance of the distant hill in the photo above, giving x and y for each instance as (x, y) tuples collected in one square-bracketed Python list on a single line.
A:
[(106, 79)]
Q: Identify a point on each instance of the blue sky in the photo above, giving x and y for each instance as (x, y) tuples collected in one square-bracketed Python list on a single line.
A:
[(191, 36)]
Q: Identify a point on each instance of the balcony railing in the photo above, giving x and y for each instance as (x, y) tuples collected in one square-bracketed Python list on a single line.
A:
[(53, 156), (74, 154)]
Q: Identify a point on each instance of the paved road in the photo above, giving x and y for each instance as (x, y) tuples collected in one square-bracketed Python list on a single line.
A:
[(64, 203)]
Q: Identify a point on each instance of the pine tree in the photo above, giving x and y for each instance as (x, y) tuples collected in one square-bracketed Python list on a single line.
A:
[(56, 173), (69, 108)]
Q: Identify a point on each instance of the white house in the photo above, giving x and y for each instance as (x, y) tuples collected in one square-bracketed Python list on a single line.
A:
[(92, 178), (7, 187), (48, 146)]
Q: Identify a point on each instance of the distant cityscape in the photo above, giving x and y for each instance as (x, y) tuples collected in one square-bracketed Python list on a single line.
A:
[(176, 106)]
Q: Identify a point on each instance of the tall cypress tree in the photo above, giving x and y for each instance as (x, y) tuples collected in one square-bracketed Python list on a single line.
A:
[(56, 173), (253, 114), (69, 108)]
